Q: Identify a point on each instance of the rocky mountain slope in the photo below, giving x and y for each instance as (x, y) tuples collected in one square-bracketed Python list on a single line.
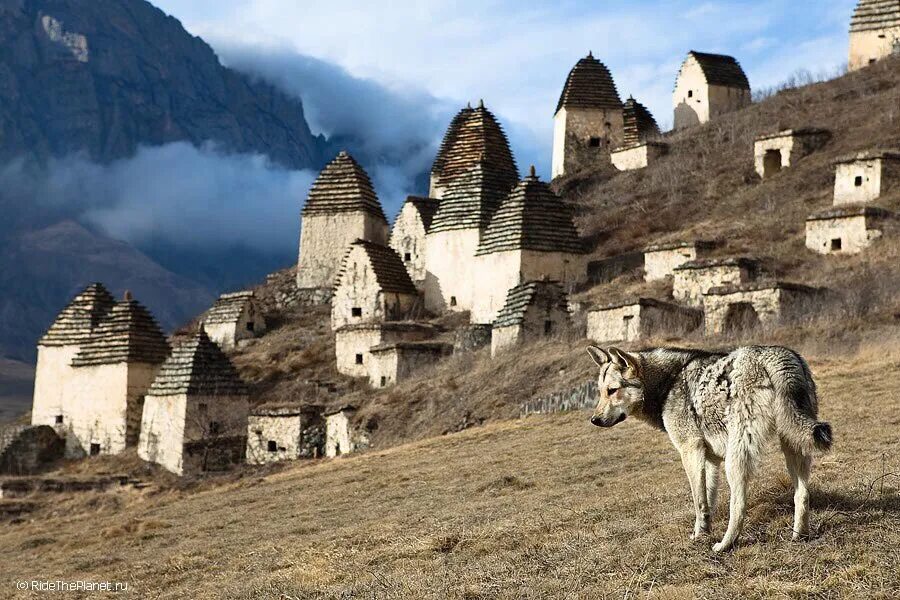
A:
[(99, 79), (105, 76)]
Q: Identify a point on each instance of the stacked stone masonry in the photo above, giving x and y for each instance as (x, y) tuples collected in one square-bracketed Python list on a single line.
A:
[(708, 85), (279, 432), (782, 150), (233, 318), (661, 260), (641, 319), (865, 177), (394, 362), (874, 32), (581, 397), (695, 278), (474, 136), (353, 343), (373, 285), (589, 119), (735, 309), (195, 412), (532, 310), (341, 437), (408, 235), (532, 236), (341, 207), (26, 449), (846, 230)]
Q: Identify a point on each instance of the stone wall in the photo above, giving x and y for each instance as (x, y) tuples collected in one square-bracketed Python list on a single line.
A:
[(696, 102), (340, 436), (729, 309), (871, 46), (641, 320), (581, 397), (690, 284), (781, 151), (249, 324), (325, 238), (392, 364), (638, 157), (864, 180), (470, 338), (173, 424), (24, 450), (843, 234), (660, 261), (353, 343), (573, 130), (408, 240), (52, 378), (291, 436), (104, 406), (607, 269), (359, 297), (450, 256)]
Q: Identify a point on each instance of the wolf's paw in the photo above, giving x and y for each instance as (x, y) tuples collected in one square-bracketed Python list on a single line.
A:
[(698, 535), (721, 547), (800, 536)]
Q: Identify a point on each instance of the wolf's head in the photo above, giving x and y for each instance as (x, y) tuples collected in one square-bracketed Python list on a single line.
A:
[(619, 387)]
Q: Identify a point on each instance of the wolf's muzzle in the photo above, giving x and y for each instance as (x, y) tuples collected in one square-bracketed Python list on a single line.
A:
[(601, 422)]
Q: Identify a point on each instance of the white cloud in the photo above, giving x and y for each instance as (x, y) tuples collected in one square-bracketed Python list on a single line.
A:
[(516, 55)]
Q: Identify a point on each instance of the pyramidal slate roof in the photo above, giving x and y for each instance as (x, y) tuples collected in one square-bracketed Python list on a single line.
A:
[(532, 217), (639, 123), (343, 186), (474, 135), (198, 366), (76, 322), (427, 207), (589, 85), (390, 272), (228, 308), (128, 333), (875, 14), (520, 298), (471, 199), (719, 69)]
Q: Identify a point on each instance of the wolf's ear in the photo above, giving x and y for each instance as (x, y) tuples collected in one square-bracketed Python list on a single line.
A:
[(624, 360), (599, 355)]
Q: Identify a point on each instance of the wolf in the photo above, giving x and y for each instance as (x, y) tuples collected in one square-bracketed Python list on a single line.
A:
[(719, 407)]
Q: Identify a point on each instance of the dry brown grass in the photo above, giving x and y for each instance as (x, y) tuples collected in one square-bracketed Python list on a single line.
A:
[(540, 508)]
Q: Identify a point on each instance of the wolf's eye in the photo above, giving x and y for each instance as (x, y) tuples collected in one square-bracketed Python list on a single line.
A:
[(611, 391)]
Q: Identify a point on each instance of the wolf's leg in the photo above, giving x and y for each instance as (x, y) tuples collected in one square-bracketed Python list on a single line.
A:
[(798, 466), (693, 457), (711, 472), (737, 470)]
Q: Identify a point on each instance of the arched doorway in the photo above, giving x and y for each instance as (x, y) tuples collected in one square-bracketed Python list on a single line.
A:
[(771, 162), (740, 317)]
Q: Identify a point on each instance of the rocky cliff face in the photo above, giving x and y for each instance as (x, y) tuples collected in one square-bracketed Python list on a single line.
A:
[(105, 76), (101, 78)]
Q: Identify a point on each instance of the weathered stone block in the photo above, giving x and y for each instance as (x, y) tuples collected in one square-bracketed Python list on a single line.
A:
[(733, 309), (845, 230), (865, 176), (782, 150), (278, 432), (638, 157), (640, 319), (695, 278), (396, 361), (661, 260)]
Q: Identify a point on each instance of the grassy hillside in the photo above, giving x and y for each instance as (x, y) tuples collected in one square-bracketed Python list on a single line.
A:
[(544, 507)]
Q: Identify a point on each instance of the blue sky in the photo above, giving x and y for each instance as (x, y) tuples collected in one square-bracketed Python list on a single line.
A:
[(516, 54)]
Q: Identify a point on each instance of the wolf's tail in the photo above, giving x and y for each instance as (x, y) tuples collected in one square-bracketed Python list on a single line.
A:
[(798, 424)]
